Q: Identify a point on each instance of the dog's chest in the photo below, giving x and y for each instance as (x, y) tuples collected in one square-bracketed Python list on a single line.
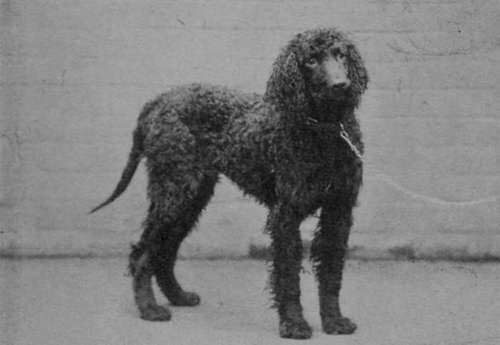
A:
[(311, 183)]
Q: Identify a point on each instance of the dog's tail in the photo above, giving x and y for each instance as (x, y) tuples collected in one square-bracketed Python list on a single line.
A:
[(134, 159)]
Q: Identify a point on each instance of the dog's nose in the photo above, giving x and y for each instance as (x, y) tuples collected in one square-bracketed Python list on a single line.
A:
[(341, 84)]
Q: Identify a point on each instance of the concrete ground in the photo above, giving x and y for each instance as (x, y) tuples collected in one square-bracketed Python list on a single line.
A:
[(89, 301)]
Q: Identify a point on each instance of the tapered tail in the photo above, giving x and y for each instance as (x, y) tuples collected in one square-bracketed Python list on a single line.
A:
[(128, 172)]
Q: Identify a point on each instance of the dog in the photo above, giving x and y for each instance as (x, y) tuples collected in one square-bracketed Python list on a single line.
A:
[(296, 149)]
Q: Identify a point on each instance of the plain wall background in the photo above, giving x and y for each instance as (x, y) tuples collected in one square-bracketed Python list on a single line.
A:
[(74, 75)]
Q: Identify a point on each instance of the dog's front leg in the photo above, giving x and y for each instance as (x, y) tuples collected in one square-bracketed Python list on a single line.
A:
[(283, 225), (328, 252)]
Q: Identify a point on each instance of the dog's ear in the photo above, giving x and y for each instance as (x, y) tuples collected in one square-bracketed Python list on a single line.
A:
[(286, 86), (357, 72)]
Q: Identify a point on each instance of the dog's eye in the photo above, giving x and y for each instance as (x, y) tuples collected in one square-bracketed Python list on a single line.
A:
[(311, 62), (340, 56)]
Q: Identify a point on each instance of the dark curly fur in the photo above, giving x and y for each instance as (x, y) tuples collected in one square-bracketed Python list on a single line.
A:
[(284, 149)]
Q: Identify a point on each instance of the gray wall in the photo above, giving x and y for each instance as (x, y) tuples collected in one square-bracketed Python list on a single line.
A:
[(74, 75)]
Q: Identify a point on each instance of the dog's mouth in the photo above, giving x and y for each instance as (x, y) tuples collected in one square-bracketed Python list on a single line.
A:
[(339, 91), (331, 99)]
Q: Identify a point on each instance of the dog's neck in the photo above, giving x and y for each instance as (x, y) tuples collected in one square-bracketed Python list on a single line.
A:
[(313, 137)]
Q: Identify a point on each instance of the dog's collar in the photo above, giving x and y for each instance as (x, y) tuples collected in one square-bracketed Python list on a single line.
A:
[(316, 125), (320, 125)]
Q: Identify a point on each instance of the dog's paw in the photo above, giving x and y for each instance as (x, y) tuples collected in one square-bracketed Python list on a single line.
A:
[(295, 329), (185, 299), (155, 313), (339, 325)]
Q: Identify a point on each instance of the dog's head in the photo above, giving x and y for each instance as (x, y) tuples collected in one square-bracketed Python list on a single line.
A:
[(317, 71)]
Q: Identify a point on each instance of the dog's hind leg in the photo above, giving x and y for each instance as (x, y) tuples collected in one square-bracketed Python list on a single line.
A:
[(328, 252), (141, 270), (173, 233), (177, 198)]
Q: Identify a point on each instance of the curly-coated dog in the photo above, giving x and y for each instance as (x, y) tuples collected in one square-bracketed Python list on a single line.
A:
[(296, 150)]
